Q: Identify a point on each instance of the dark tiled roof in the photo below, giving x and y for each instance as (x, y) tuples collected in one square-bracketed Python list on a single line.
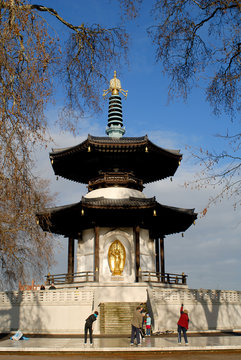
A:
[(160, 219), (147, 161), (119, 203), (122, 140), (108, 141), (57, 209)]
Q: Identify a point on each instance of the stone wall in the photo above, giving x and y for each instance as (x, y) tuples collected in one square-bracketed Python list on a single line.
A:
[(48, 311), (63, 311), (208, 309)]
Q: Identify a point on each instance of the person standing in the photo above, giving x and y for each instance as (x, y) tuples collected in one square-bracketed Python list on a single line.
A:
[(182, 325), (142, 331), (136, 324), (52, 287), (148, 325), (88, 326)]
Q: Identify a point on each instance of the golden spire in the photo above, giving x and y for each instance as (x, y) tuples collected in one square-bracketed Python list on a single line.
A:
[(115, 87)]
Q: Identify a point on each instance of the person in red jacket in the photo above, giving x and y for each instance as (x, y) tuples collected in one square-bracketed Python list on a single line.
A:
[(182, 325)]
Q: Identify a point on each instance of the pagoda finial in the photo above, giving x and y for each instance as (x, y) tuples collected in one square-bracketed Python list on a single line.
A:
[(115, 87), (115, 127)]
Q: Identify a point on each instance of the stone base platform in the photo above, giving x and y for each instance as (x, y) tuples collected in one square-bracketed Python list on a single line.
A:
[(122, 344)]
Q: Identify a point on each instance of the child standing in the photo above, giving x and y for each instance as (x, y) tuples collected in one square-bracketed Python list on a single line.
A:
[(148, 325)]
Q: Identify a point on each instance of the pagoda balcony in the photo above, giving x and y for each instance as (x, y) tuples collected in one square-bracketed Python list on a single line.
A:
[(109, 179), (72, 278), (164, 278), (75, 279)]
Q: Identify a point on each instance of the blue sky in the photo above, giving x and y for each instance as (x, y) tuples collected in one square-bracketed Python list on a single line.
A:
[(210, 251)]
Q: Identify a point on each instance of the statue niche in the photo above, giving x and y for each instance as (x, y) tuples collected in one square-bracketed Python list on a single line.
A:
[(116, 257)]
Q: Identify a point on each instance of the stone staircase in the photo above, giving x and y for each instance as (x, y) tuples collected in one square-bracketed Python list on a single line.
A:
[(115, 317)]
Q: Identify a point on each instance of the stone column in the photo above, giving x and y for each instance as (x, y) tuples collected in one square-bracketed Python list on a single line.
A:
[(157, 253), (70, 259), (97, 253), (162, 259), (137, 251)]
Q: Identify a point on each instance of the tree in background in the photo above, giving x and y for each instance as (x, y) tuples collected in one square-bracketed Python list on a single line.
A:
[(198, 43), (201, 39), (32, 57)]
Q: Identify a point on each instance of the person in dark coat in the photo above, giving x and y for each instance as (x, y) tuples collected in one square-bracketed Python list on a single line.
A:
[(88, 326), (136, 324), (182, 325), (52, 287)]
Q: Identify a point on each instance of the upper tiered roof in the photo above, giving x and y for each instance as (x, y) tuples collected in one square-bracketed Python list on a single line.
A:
[(96, 155)]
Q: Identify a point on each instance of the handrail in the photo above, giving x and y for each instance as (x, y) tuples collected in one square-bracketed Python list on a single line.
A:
[(166, 278), (89, 276), (77, 277), (116, 178)]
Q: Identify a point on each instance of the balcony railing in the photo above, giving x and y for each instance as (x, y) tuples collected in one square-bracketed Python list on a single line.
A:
[(115, 179), (90, 276), (165, 278), (75, 278)]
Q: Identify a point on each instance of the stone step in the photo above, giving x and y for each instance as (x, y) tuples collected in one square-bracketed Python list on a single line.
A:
[(115, 317)]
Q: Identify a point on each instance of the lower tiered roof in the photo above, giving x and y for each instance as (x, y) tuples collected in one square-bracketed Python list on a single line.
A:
[(161, 220)]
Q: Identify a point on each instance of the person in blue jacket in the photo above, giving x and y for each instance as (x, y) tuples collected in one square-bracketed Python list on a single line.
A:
[(148, 325)]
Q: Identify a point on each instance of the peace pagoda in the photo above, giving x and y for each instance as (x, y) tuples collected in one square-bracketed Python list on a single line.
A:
[(119, 235), (119, 231)]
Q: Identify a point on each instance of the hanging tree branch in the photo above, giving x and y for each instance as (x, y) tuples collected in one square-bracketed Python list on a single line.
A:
[(33, 62)]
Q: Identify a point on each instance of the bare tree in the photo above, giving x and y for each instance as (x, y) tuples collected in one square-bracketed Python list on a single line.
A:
[(220, 171), (201, 39), (198, 43), (33, 60)]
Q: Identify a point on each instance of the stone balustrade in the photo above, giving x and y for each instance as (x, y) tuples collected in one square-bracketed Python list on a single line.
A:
[(208, 309), (63, 311)]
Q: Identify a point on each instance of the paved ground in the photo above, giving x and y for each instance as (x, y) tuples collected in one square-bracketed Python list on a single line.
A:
[(113, 346), (130, 356)]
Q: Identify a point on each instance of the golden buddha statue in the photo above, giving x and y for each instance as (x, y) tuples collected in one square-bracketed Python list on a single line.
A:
[(116, 257)]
